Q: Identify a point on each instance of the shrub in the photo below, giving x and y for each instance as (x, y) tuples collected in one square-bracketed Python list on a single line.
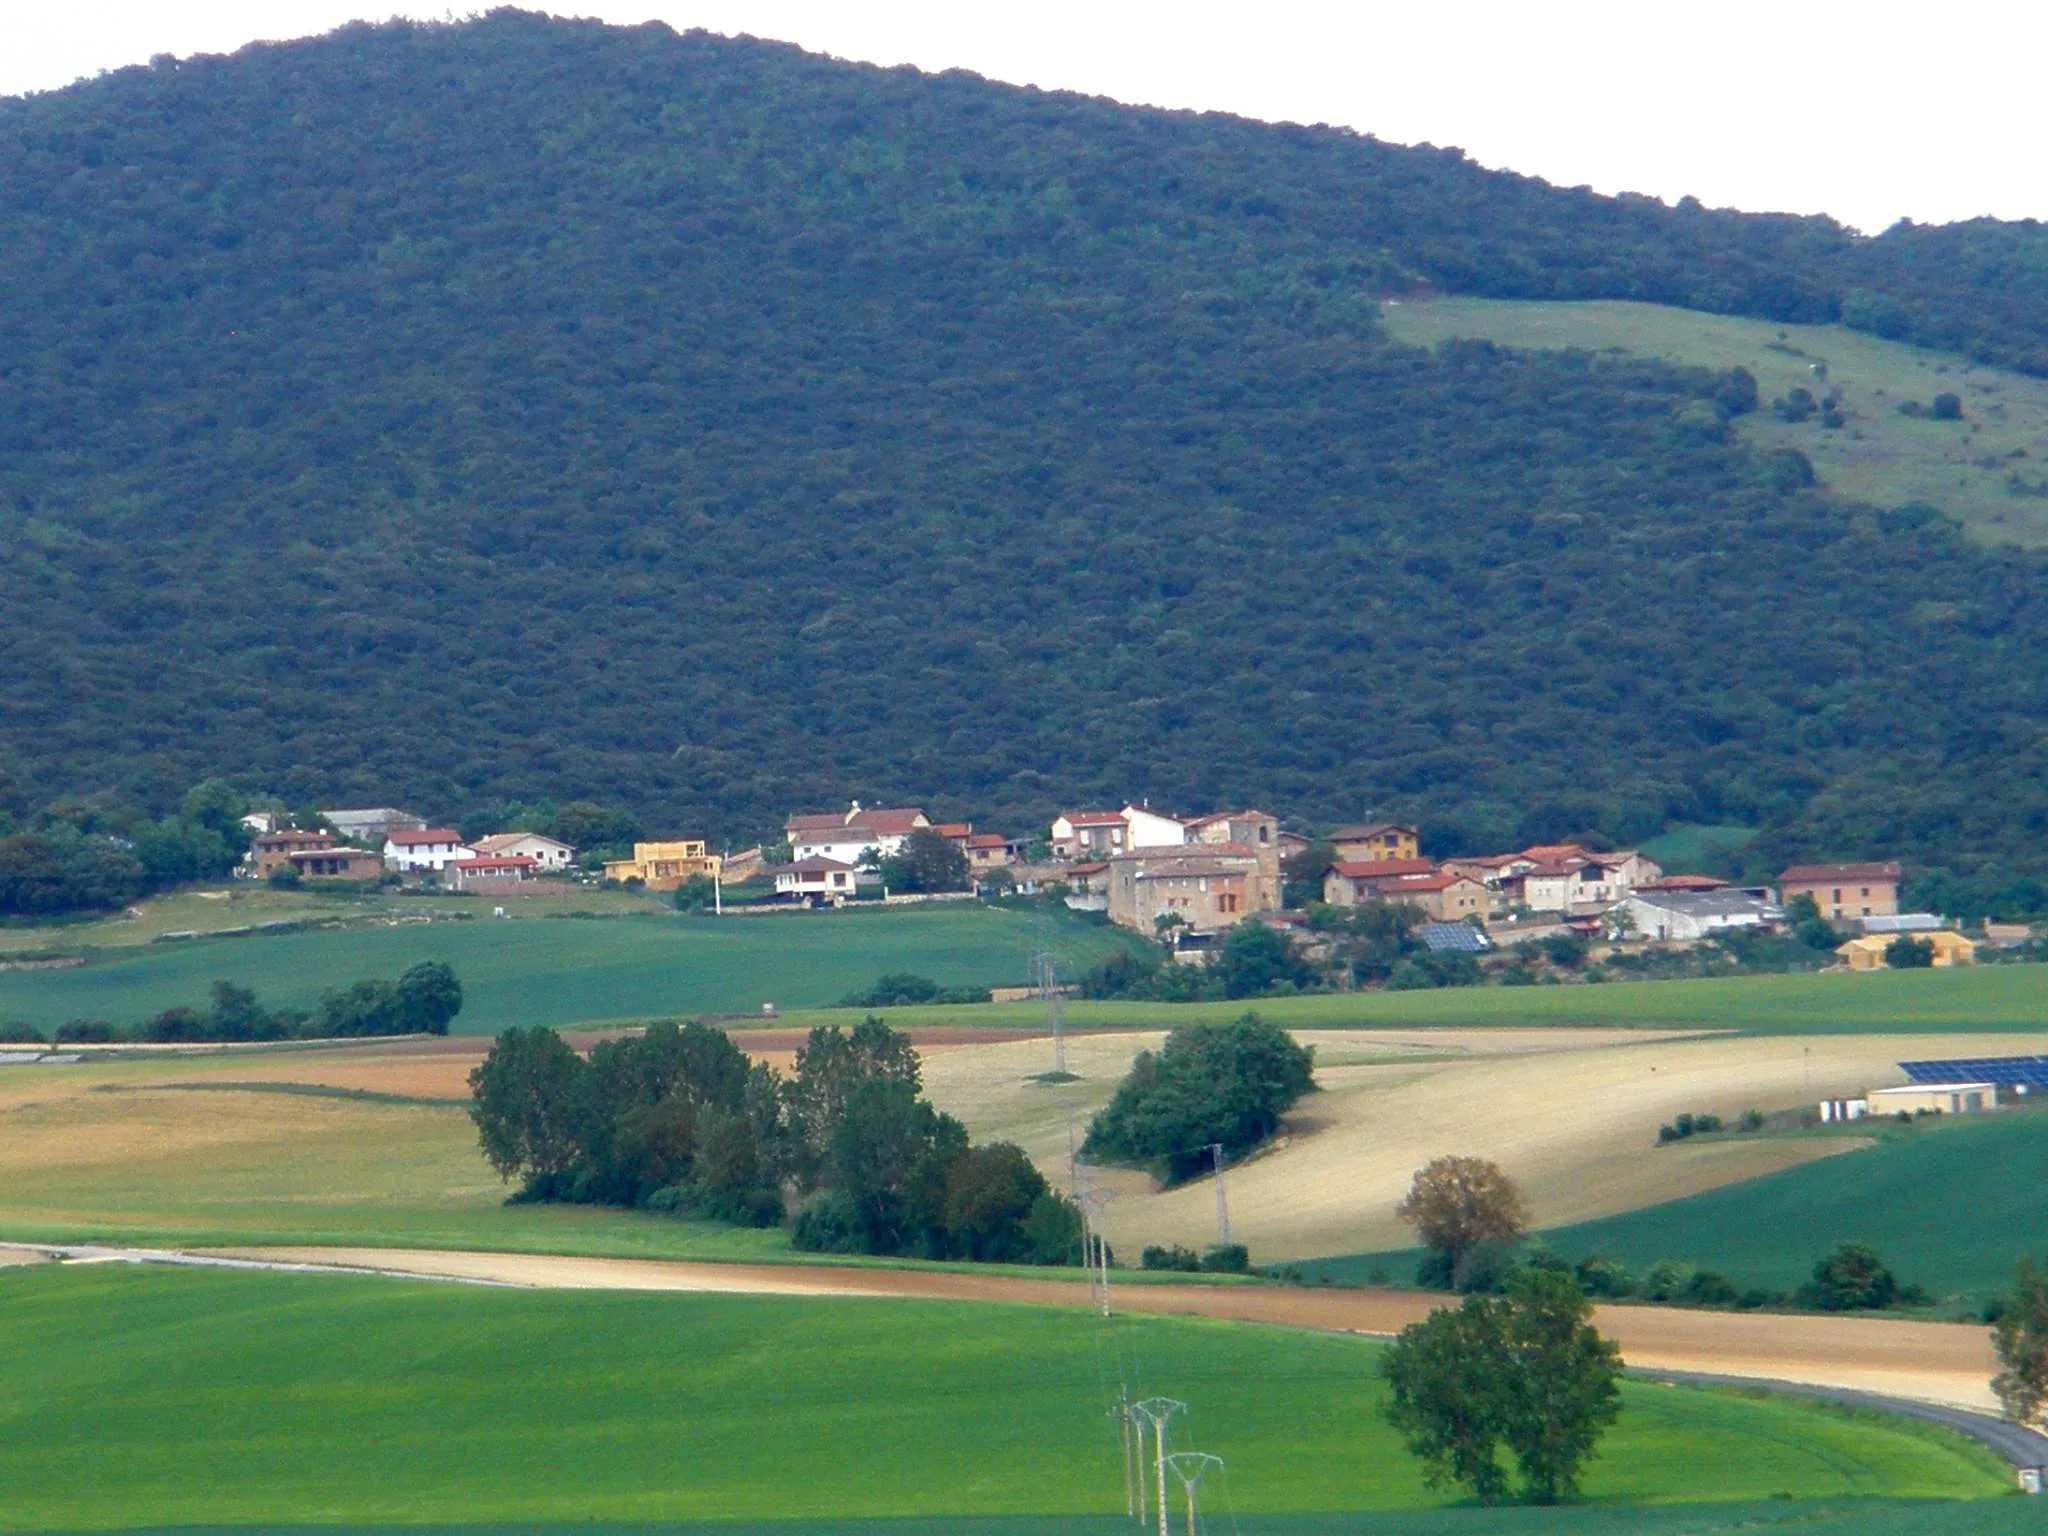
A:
[(1851, 1279), (1752, 1120), (86, 1032), (1173, 1258), (826, 1223), (1946, 406), (1227, 1259), (1665, 1280), (1707, 1289), (1605, 1277), (19, 1032)]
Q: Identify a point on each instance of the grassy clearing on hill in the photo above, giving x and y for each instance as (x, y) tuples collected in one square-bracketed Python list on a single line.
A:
[(1699, 849), (565, 971), (237, 1398), (1989, 471)]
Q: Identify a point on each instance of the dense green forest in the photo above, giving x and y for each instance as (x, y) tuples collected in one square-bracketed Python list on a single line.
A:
[(535, 410)]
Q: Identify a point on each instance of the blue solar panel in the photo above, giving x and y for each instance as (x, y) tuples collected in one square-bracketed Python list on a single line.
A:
[(2014, 1070), (1462, 937)]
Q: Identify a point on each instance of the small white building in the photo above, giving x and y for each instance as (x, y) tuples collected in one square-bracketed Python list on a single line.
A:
[(1149, 829), (1686, 917), (1088, 834), (816, 879), (848, 836), (487, 873), (430, 849), (546, 853), (1934, 1099)]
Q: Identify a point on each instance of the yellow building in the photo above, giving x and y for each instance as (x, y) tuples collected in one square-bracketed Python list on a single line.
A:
[(1375, 840), (1867, 953), (664, 866)]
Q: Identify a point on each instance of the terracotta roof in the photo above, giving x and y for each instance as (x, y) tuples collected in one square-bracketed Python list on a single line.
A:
[(1487, 860), (1191, 869), (953, 829), (1086, 869), (425, 835), (501, 840), (1365, 829), (1682, 883), (1425, 883), (1551, 852), (1091, 818), (988, 840), (1888, 870), (332, 850), (480, 866), (1387, 869), (1171, 851)]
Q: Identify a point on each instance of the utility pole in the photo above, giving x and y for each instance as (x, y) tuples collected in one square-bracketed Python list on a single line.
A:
[(1134, 1480), (1222, 1203), (1189, 1466), (1157, 1410)]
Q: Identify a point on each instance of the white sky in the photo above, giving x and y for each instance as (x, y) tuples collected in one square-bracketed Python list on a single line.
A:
[(1869, 111)]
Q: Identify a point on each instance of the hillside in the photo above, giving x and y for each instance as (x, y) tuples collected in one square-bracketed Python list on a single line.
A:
[(526, 408)]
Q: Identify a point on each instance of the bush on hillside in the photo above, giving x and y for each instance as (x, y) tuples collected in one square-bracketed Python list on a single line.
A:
[(901, 989), (1209, 1084)]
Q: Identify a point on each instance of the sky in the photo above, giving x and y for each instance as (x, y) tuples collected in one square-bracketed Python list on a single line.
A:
[(1869, 112)]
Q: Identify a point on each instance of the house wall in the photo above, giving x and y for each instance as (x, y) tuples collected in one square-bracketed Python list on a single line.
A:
[(1148, 829), (1847, 898), (1394, 843)]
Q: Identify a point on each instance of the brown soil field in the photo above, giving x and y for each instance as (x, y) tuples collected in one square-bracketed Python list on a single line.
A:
[(1932, 1362)]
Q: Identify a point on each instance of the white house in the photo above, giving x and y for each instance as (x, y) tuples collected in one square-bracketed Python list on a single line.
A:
[(1088, 834), (846, 836), (1689, 916), (1149, 829), (816, 878), (425, 848), (546, 852)]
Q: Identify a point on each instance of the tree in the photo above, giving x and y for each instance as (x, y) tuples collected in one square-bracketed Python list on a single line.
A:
[(236, 1015), (1906, 953), (1254, 959), (1947, 406), (1210, 1083), (429, 996), (927, 861), (1301, 874), (890, 1157), (526, 1092), (830, 1065), (1565, 1381), (2021, 1338), (991, 1191), (1448, 1395), (1457, 1203), (696, 893), (1525, 1372), (1851, 1279)]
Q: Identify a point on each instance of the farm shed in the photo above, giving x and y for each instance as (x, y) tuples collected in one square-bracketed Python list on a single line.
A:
[(1867, 953), (1934, 1099)]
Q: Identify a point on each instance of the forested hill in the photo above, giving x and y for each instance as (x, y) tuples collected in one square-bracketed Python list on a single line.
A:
[(532, 409)]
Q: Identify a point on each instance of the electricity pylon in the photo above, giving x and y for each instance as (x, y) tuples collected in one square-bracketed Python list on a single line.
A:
[(1222, 1203), (1156, 1411), (1189, 1466), (1055, 1016)]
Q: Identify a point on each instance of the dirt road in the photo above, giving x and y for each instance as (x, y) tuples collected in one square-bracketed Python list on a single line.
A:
[(1927, 1362)]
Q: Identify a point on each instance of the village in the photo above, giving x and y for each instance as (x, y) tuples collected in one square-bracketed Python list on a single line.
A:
[(1183, 880)]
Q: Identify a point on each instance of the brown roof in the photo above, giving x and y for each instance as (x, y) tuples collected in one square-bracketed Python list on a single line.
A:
[(1086, 869), (1188, 851), (816, 865), (1888, 870), (1683, 883), (1425, 883), (1387, 869), (1552, 852), (1365, 829), (954, 829), (424, 835), (1090, 818), (479, 866), (1191, 869), (988, 840), (333, 851), (498, 840)]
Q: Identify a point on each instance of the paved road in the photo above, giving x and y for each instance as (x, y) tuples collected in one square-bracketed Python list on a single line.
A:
[(1938, 1372)]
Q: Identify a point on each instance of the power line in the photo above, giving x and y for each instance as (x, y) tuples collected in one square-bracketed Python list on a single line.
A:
[(1222, 1203), (1156, 1411), (1189, 1466)]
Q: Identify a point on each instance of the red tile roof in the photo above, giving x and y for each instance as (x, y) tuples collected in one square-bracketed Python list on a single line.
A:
[(1387, 869), (424, 835), (1822, 873), (1683, 883), (1091, 818), (988, 840), (1359, 831)]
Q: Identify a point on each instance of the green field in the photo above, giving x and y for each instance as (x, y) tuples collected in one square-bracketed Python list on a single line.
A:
[(1989, 470), (153, 1397), (564, 971), (1949, 1203)]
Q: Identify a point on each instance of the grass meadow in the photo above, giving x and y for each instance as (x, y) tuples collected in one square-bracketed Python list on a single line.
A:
[(1983, 470), (1949, 1204), (138, 1397), (564, 971)]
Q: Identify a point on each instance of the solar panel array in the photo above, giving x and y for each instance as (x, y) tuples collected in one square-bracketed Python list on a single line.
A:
[(2029, 1070), (1460, 937)]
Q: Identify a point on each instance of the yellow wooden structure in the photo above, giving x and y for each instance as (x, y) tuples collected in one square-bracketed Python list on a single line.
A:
[(664, 866)]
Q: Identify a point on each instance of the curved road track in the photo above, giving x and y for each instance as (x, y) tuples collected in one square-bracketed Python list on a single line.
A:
[(1935, 1371)]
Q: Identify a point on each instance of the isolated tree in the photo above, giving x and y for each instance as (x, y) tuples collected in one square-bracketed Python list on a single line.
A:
[(1851, 1279), (429, 997), (1947, 406), (1457, 1203), (696, 893), (1448, 1392), (2021, 1338), (1564, 1376), (1525, 1373)]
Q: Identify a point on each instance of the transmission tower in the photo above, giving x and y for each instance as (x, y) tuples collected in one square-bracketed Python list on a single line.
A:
[(1156, 1411), (1222, 1203), (1055, 1016), (1189, 1466)]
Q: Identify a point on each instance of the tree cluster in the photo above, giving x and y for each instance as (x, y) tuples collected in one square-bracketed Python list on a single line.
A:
[(677, 1119), (1523, 1375), (92, 855), (423, 1001), (1210, 1084), (221, 484)]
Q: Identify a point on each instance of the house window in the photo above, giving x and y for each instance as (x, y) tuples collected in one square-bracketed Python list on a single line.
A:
[(1866, 890), (1226, 903), (1838, 895)]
